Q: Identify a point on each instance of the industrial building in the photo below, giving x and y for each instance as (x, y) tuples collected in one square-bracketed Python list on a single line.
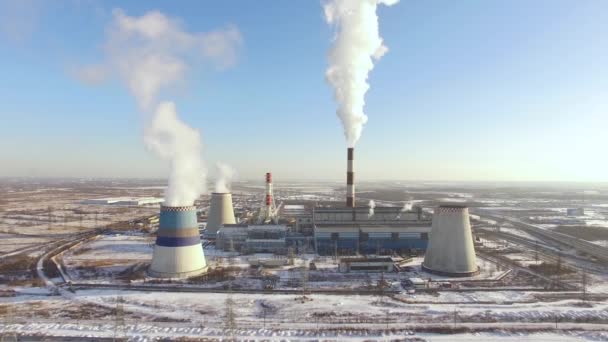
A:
[(253, 238), (575, 212), (127, 201), (178, 252), (451, 251), (348, 231)]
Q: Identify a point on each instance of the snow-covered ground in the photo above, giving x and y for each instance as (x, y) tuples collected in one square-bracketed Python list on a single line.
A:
[(150, 315)]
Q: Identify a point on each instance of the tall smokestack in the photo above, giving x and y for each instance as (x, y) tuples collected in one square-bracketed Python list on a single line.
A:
[(350, 179), (268, 192)]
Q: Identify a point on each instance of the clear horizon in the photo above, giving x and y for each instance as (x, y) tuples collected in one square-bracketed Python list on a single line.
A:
[(467, 92)]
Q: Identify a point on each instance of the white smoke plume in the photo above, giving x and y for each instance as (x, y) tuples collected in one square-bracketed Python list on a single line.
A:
[(356, 45), (407, 206), (151, 53), (181, 146), (225, 175), (372, 206)]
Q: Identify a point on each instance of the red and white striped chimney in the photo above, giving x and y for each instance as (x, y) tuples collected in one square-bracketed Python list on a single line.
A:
[(268, 192), (350, 179)]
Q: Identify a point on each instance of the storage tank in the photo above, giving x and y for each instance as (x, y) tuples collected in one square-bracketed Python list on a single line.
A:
[(220, 212), (451, 251), (178, 252)]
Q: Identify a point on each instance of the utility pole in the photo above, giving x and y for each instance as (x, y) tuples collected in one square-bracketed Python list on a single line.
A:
[(584, 281), (50, 219), (304, 279), (536, 252), (229, 318), (387, 317), (119, 323), (336, 250)]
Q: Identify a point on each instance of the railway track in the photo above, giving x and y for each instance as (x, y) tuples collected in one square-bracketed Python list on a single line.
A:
[(547, 253), (583, 247)]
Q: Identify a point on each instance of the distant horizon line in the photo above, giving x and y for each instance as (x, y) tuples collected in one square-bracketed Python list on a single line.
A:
[(329, 180)]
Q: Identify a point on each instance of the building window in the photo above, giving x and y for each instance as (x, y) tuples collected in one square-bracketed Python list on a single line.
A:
[(424, 236), (394, 236), (364, 236), (334, 236)]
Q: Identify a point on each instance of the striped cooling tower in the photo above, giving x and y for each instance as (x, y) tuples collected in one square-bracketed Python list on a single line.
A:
[(178, 252), (350, 179), (451, 251)]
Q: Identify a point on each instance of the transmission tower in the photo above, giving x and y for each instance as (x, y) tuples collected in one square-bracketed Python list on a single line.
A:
[(9, 336), (119, 323)]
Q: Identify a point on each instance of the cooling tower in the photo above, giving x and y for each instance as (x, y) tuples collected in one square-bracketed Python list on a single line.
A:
[(178, 252), (220, 212), (350, 179), (451, 251)]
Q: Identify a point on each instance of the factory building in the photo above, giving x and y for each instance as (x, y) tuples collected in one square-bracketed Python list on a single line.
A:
[(253, 238), (178, 252), (126, 201), (575, 212), (451, 251), (220, 212), (348, 231)]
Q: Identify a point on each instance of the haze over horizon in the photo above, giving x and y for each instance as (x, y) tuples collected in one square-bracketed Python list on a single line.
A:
[(472, 91)]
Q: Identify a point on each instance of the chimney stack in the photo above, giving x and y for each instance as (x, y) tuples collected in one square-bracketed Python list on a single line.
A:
[(268, 191), (350, 179)]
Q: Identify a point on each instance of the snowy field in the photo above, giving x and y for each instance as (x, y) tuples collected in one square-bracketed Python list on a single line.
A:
[(287, 316)]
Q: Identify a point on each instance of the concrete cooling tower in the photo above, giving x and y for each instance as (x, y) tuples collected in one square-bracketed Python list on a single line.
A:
[(451, 251), (178, 252), (220, 212)]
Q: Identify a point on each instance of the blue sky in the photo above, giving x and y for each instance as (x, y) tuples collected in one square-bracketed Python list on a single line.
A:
[(469, 90)]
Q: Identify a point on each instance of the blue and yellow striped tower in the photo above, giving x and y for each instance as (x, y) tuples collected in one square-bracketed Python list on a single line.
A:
[(178, 252)]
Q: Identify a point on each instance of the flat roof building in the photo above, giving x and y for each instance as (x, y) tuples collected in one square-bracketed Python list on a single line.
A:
[(349, 231)]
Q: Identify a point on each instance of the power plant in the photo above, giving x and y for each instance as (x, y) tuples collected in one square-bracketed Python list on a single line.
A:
[(178, 252), (451, 251), (220, 212)]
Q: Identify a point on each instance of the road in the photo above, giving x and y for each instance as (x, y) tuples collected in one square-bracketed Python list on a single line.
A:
[(581, 246)]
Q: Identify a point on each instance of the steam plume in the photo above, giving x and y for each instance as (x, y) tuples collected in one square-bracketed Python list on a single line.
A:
[(407, 206), (226, 174), (180, 145), (356, 45), (372, 206), (151, 53)]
